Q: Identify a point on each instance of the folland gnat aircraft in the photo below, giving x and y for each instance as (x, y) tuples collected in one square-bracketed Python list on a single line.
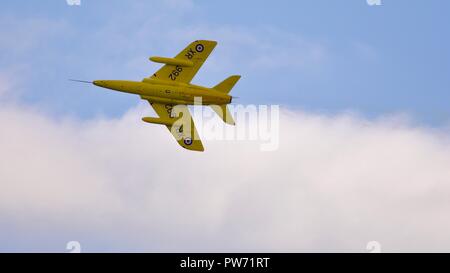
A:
[(169, 92)]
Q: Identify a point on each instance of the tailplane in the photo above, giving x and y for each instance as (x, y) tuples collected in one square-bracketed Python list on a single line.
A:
[(224, 113), (225, 87)]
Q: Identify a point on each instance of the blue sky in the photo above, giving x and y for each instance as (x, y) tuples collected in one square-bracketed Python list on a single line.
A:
[(319, 56)]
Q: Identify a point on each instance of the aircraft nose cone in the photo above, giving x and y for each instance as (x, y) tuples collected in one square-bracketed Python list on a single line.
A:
[(101, 83)]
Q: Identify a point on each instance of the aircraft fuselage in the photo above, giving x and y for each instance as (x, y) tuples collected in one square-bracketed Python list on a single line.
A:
[(167, 92)]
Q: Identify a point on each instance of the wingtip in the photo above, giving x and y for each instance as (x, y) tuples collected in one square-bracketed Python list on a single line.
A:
[(196, 149), (212, 42)]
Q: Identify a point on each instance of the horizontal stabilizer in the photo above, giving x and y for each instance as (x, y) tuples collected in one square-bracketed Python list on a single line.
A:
[(224, 113)]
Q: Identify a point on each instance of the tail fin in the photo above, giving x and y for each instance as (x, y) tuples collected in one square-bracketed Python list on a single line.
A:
[(224, 113), (227, 84)]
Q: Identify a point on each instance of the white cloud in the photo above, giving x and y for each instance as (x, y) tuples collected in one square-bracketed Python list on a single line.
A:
[(118, 184)]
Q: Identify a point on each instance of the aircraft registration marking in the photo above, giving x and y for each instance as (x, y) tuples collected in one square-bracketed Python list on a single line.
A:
[(169, 108), (190, 54), (175, 73)]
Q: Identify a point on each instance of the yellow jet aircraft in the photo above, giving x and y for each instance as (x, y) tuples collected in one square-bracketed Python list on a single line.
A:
[(169, 91)]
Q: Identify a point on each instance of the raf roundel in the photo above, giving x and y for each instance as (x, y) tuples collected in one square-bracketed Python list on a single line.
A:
[(187, 141), (199, 48)]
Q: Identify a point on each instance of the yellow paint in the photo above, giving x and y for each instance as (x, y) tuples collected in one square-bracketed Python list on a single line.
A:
[(171, 61), (169, 91)]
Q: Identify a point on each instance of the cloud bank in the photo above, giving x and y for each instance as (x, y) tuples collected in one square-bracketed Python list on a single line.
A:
[(334, 184)]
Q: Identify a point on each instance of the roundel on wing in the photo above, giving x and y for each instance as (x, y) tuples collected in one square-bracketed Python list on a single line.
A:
[(199, 48), (188, 141)]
